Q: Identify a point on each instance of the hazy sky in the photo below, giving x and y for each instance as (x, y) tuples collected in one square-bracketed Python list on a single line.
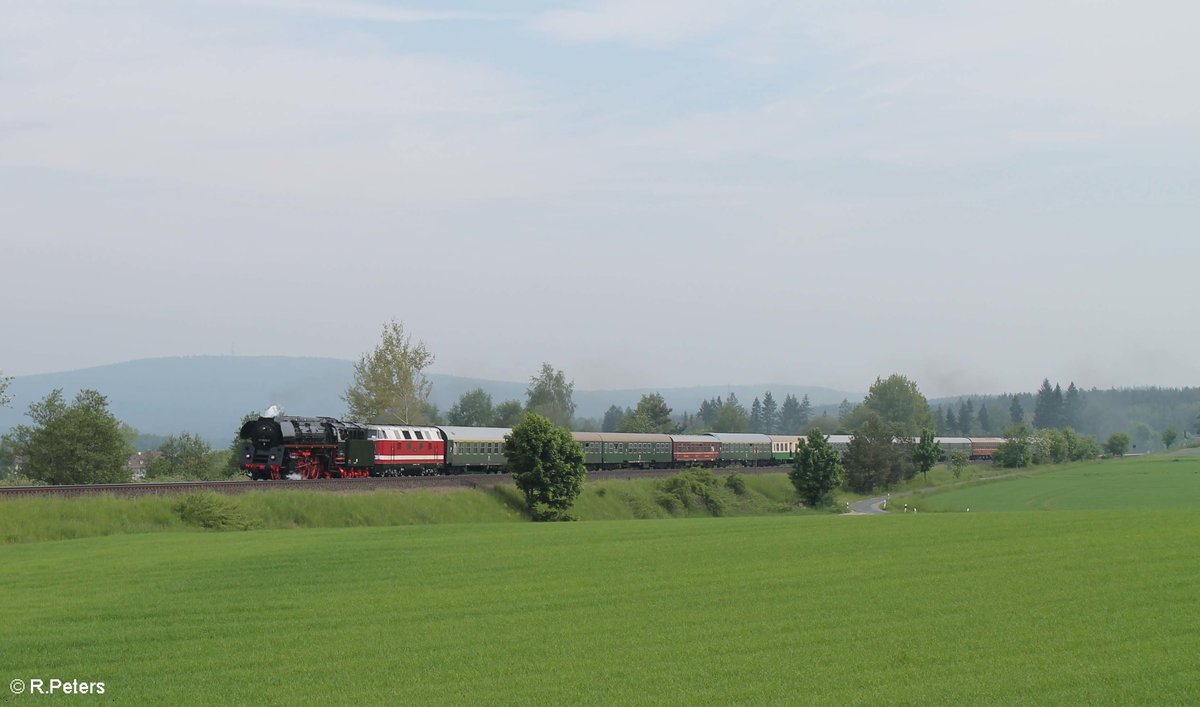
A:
[(644, 193)]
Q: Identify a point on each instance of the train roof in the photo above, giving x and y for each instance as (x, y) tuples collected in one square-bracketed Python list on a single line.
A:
[(692, 438), (740, 437), (620, 437), (403, 432), (951, 440), (787, 438), (475, 434)]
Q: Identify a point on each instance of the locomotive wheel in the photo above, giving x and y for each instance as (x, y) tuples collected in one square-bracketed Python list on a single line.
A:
[(310, 468)]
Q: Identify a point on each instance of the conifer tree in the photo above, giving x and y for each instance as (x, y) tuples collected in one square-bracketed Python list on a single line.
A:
[(1016, 413), (770, 414), (985, 420)]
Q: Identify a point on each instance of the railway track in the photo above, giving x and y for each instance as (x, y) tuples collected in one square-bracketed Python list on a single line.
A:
[(400, 483)]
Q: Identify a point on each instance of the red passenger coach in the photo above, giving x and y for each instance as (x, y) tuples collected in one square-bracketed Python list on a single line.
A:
[(702, 450), (403, 450), (985, 447)]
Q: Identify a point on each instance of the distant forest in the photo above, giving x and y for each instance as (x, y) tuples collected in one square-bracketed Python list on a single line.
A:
[(1143, 413)]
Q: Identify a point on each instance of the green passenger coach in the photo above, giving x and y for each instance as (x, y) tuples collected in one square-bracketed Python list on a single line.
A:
[(476, 448), (744, 449)]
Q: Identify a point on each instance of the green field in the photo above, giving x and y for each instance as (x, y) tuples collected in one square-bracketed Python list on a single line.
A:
[(1152, 482), (1050, 608)]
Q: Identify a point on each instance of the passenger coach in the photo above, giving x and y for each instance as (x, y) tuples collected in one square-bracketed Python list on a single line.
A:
[(475, 448)]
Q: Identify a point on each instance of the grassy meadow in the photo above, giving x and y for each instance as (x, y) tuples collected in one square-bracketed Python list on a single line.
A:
[(1068, 608), (450, 597), (1160, 481)]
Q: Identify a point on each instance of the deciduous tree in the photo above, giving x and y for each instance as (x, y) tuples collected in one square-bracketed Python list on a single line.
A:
[(5, 398), (546, 464), (80, 443), (389, 386), (550, 395), (1016, 450), (899, 403), (1141, 434), (817, 469), (873, 458), (1169, 436), (509, 413), (926, 452), (612, 419), (473, 409), (958, 462), (1117, 444), (185, 456)]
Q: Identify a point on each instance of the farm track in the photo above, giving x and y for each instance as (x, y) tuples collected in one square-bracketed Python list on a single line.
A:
[(401, 483)]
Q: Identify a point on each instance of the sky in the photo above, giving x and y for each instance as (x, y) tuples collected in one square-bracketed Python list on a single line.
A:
[(642, 193)]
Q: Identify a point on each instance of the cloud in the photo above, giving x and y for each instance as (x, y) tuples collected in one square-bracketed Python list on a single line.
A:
[(370, 12), (659, 24), (337, 117)]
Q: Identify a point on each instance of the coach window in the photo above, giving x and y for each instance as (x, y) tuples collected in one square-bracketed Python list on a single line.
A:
[(406, 435), (419, 435)]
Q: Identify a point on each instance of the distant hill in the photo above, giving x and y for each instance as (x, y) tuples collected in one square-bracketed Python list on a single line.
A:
[(208, 395)]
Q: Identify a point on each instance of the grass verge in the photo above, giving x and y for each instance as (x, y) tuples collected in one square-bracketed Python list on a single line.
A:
[(41, 519)]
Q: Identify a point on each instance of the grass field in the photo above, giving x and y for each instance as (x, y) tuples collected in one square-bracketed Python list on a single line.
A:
[(1151, 482), (1069, 608)]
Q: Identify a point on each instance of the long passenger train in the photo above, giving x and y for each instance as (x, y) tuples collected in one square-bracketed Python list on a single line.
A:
[(324, 447)]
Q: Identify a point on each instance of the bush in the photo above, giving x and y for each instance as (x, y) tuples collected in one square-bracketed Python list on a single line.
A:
[(958, 461), (212, 511), (695, 489), (734, 482), (669, 502), (1016, 450)]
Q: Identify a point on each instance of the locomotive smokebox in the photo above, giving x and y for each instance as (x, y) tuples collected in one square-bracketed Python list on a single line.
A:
[(264, 432)]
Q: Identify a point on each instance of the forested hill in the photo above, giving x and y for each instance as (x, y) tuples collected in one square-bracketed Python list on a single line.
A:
[(207, 395), (1143, 413)]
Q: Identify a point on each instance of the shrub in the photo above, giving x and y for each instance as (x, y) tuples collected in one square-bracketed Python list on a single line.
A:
[(212, 511), (958, 461), (734, 482), (669, 502), (695, 488), (1016, 450)]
